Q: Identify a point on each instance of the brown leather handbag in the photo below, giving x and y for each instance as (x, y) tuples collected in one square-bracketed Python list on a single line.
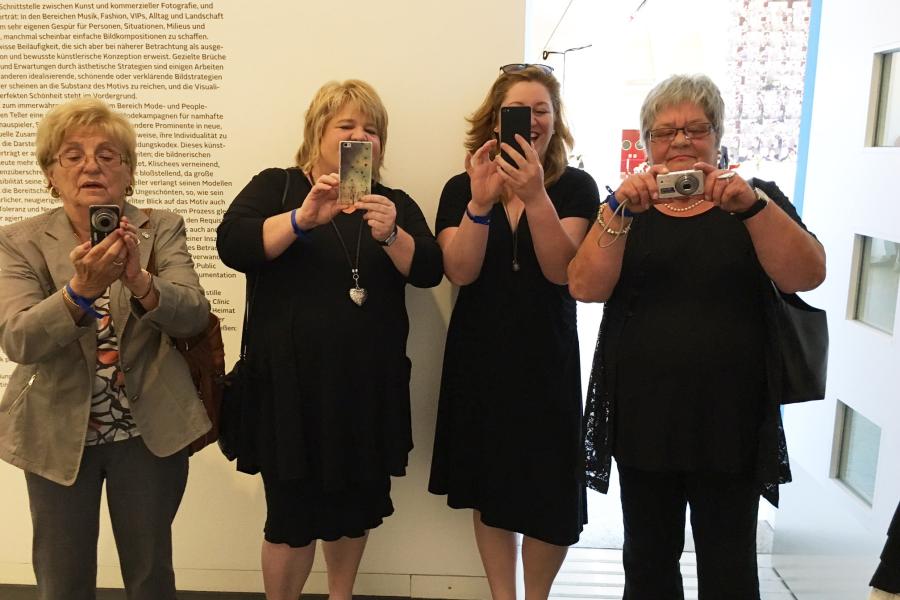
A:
[(205, 357)]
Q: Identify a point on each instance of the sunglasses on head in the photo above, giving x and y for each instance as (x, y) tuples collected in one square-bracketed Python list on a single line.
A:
[(516, 67)]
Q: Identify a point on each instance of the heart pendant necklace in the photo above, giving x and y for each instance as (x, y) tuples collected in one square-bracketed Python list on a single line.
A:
[(357, 294)]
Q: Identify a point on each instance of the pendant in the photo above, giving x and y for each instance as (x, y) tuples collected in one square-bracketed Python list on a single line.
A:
[(515, 265), (358, 295)]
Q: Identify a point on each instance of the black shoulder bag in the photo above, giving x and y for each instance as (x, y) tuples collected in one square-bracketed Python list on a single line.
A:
[(239, 390)]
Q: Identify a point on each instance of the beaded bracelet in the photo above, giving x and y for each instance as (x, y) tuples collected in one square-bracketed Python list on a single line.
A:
[(605, 229)]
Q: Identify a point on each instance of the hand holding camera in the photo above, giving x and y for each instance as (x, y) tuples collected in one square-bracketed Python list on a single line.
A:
[(726, 189), (640, 190), (97, 266)]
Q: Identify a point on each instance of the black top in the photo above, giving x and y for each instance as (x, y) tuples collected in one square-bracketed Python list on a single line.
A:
[(887, 576), (333, 377), (690, 354), (685, 376), (508, 438)]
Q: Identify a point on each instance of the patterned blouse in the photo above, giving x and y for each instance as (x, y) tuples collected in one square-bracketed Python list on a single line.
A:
[(110, 419)]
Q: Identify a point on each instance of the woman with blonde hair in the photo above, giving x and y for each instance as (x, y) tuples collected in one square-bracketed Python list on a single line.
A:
[(508, 443), (326, 341)]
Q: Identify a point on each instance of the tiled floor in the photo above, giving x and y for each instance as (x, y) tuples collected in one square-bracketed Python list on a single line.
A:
[(597, 574)]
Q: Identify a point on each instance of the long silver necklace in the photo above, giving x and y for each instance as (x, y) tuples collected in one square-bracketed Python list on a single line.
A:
[(357, 294), (673, 208), (515, 246)]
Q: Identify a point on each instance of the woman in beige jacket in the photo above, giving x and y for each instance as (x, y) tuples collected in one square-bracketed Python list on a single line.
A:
[(99, 392)]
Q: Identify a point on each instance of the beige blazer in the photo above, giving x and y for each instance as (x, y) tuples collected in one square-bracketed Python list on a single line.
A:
[(45, 407)]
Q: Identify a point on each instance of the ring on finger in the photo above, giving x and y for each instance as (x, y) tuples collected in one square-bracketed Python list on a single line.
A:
[(726, 176), (118, 263)]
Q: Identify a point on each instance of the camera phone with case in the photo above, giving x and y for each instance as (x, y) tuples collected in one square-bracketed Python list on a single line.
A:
[(104, 219), (355, 172), (680, 184)]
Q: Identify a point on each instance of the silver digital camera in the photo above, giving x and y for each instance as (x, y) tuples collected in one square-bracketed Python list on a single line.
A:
[(678, 184)]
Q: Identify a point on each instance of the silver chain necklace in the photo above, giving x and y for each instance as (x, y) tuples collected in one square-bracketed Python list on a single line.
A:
[(357, 294)]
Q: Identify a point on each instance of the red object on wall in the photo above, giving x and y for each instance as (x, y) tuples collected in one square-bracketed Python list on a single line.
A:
[(633, 153)]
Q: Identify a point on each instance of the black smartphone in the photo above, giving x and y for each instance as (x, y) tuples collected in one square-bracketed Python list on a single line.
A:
[(513, 120), (104, 220)]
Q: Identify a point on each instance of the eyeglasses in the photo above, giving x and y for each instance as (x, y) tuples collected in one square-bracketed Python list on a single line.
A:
[(105, 159), (694, 131), (516, 67)]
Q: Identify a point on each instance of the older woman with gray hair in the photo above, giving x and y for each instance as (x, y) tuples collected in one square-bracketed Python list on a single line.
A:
[(99, 392), (682, 389)]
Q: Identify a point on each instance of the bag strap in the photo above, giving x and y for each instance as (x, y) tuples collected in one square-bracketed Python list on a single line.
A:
[(249, 294)]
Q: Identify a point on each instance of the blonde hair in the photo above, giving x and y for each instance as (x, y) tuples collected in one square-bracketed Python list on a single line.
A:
[(486, 118), (678, 89), (91, 113), (328, 101)]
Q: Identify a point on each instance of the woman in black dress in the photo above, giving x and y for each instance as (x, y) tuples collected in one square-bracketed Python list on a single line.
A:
[(508, 441), (684, 390), (327, 342)]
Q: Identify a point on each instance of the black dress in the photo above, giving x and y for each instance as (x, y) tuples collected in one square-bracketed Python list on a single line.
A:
[(333, 411), (509, 436), (684, 375)]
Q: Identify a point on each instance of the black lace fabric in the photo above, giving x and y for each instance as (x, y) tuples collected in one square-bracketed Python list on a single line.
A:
[(772, 467)]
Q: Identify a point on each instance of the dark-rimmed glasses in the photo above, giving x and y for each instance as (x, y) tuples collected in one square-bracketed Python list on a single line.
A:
[(516, 67), (105, 159), (694, 131)]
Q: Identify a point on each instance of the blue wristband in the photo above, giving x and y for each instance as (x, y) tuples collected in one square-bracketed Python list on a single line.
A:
[(85, 304), (614, 203), (485, 220), (297, 231)]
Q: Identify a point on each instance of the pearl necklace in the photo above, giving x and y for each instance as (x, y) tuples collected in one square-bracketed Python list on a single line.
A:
[(686, 208)]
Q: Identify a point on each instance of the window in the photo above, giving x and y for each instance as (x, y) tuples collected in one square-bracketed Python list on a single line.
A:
[(858, 458), (879, 275), (886, 99)]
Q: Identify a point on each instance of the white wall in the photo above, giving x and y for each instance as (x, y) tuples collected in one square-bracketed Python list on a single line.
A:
[(432, 63), (827, 540)]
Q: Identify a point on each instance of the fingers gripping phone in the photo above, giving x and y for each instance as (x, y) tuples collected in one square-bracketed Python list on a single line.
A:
[(513, 120), (355, 172), (104, 219)]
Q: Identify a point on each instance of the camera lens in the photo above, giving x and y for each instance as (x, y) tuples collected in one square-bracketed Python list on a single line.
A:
[(104, 220), (686, 185)]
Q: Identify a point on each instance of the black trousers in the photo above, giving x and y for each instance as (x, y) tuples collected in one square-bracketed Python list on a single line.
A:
[(724, 512), (143, 493)]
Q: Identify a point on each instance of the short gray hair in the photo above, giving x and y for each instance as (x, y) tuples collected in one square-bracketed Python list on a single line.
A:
[(698, 89)]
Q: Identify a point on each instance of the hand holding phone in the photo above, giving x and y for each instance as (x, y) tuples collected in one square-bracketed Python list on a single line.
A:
[(513, 120), (355, 172)]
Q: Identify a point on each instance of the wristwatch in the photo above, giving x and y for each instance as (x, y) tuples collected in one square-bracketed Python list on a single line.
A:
[(762, 200), (390, 239)]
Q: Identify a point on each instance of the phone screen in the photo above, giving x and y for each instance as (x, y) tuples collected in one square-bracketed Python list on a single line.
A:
[(513, 120), (356, 171)]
